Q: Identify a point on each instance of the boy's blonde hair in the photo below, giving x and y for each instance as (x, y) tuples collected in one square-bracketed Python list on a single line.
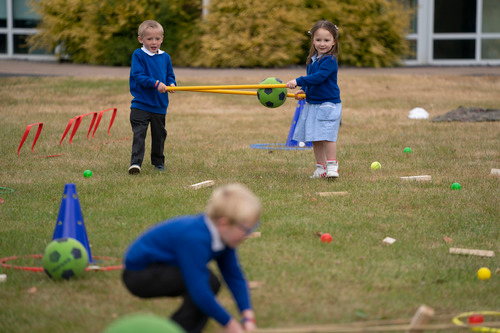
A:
[(149, 24), (234, 202)]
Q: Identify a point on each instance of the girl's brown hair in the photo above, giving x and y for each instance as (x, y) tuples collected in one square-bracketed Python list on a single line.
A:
[(332, 28)]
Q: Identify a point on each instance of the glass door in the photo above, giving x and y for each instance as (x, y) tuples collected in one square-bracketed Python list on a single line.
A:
[(454, 35)]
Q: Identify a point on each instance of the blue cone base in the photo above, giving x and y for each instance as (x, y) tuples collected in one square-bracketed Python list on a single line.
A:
[(70, 219), (290, 143)]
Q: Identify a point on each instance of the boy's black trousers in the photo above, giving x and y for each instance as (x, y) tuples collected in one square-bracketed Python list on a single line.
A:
[(160, 280), (140, 121)]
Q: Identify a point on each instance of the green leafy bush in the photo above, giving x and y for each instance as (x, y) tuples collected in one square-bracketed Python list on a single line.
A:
[(105, 31), (273, 33), (372, 32), (252, 33)]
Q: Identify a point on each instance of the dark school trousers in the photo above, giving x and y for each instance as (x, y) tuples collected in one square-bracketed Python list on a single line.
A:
[(160, 280), (140, 121)]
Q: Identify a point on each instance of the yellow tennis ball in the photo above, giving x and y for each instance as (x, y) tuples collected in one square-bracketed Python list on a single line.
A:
[(484, 273), (376, 165)]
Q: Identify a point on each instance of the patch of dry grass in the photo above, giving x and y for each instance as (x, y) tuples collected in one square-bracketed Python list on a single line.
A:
[(355, 277)]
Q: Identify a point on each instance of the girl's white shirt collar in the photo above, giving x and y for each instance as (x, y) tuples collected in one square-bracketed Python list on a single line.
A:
[(149, 53), (217, 244)]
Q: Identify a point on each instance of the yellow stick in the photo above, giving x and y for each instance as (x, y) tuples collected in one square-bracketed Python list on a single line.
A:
[(241, 86), (236, 92)]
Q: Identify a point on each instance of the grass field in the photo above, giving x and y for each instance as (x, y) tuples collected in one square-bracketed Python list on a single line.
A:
[(354, 278)]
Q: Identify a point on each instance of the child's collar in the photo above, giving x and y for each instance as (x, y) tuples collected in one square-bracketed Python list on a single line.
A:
[(217, 244), (149, 53)]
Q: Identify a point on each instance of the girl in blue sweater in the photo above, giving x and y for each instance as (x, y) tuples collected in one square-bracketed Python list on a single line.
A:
[(320, 119), (171, 260)]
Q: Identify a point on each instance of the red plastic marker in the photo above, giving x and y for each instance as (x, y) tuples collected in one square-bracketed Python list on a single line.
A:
[(326, 238), (476, 319)]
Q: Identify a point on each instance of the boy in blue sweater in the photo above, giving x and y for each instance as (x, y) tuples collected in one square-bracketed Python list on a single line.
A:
[(150, 73), (171, 259)]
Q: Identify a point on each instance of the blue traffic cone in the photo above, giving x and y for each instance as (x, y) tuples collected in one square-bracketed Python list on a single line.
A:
[(289, 141), (70, 220)]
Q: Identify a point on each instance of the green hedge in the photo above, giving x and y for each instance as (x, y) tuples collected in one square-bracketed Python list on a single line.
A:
[(251, 33), (372, 32), (105, 31)]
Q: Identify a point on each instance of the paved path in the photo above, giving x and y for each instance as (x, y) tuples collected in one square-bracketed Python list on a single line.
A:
[(48, 68)]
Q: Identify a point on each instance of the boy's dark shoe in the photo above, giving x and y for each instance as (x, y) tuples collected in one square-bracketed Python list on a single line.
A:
[(160, 167)]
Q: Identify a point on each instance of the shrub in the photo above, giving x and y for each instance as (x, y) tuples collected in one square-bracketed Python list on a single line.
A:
[(372, 32), (105, 31), (252, 33), (272, 33)]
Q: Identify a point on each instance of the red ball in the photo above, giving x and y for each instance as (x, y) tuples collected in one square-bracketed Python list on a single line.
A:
[(476, 319), (326, 238)]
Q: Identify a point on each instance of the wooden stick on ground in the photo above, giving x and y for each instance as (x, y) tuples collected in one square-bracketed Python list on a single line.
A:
[(330, 194), (423, 178), (481, 253), (421, 317), (206, 183)]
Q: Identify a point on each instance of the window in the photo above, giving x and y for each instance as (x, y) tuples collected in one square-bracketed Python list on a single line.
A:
[(24, 17), (412, 50), (411, 39), (491, 16), (413, 6), (21, 47), (453, 32), (454, 49), (17, 23), (3, 43), (3, 13), (490, 48), (455, 29), (454, 16)]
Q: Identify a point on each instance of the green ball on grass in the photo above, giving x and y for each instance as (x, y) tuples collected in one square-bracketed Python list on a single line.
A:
[(143, 323), (64, 258)]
